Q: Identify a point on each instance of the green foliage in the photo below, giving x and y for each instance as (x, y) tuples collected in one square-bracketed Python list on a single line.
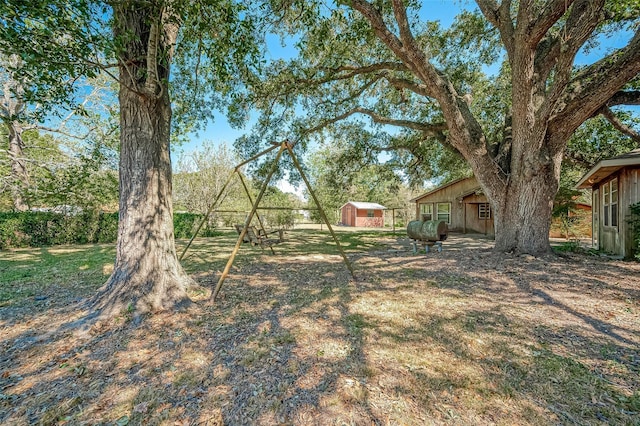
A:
[(337, 176), (597, 140), (59, 43), (218, 51), (634, 221), (59, 174), (570, 247), (284, 218), (564, 205), (79, 183), (200, 176), (329, 79), (52, 41), (185, 224), (38, 229)]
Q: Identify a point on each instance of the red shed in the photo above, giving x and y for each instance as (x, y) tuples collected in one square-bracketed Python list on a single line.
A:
[(355, 213)]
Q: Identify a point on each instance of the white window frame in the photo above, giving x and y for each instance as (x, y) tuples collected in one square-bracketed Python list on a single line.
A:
[(447, 213), (610, 204), (426, 209)]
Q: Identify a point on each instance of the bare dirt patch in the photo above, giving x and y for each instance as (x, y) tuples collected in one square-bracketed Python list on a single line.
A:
[(459, 337)]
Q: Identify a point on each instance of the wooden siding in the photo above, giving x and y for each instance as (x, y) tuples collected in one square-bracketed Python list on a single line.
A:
[(617, 240), (464, 206), (473, 223)]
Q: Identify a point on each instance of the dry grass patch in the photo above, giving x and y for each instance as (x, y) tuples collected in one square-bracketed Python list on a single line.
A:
[(459, 337)]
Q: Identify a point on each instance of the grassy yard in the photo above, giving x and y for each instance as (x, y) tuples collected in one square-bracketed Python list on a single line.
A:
[(459, 337)]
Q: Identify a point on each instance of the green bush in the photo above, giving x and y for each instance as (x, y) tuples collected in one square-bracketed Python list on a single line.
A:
[(23, 229), (11, 233), (107, 228), (37, 229), (185, 223)]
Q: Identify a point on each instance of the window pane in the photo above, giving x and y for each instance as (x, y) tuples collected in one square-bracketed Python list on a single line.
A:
[(426, 211), (606, 216), (614, 215), (614, 191), (484, 211), (444, 212), (444, 208)]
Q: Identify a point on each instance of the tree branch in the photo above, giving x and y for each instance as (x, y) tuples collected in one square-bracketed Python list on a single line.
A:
[(577, 159), (552, 11), (582, 21), (426, 128), (436, 129), (61, 132), (463, 126), (356, 93), (377, 23), (619, 125), (353, 72), (625, 97), (500, 17), (400, 13), (403, 83), (388, 65), (595, 86)]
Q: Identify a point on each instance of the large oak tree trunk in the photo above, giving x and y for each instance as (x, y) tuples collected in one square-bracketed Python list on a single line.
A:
[(523, 202), (147, 276), (11, 107), (522, 218)]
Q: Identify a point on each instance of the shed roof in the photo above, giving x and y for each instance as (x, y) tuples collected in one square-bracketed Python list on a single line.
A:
[(364, 205), (606, 168), (475, 191), (453, 182)]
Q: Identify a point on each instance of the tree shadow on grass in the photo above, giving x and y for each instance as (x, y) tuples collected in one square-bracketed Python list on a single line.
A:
[(234, 362), (292, 340), (303, 359), (581, 333)]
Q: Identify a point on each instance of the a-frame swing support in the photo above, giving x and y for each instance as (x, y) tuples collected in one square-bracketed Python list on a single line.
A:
[(224, 187), (285, 145)]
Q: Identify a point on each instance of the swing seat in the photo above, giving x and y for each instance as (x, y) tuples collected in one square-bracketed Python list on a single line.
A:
[(259, 237)]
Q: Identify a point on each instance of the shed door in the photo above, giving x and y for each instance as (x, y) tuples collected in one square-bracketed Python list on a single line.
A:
[(595, 230)]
